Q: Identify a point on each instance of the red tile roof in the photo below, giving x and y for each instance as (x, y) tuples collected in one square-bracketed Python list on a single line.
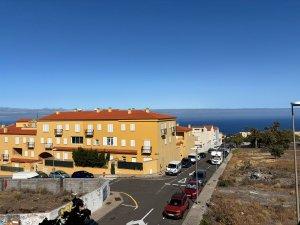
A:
[(13, 130), (114, 114), (22, 160), (23, 120), (182, 129), (112, 151)]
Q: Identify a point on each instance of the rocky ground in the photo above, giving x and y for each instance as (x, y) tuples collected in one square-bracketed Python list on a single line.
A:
[(27, 201), (254, 189)]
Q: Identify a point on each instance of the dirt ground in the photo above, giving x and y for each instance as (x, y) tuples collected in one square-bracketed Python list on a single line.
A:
[(29, 201), (243, 198)]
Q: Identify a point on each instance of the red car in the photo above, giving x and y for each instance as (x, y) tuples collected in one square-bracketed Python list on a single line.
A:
[(191, 189), (177, 206)]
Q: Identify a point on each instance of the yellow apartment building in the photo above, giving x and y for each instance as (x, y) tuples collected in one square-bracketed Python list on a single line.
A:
[(138, 141), (185, 140)]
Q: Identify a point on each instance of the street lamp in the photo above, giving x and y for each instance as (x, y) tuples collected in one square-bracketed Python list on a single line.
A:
[(197, 175), (295, 104)]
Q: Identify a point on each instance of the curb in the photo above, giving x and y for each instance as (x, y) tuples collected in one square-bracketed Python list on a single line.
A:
[(195, 215)]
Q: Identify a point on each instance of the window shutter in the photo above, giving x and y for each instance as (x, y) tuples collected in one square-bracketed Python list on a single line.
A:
[(104, 141), (115, 141)]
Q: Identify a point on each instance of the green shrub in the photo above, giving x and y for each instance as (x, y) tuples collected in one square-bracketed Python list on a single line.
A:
[(89, 158), (225, 183), (205, 220)]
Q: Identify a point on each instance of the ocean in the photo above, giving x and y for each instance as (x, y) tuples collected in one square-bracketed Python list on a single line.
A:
[(229, 121)]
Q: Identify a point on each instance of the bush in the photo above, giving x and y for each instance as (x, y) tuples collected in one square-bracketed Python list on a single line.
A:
[(225, 183), (89, 158), (205, 220)]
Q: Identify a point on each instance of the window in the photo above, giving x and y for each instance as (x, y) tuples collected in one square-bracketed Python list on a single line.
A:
[(59, 127), (111, 157), (58, 155), (77, 140), (24, 140), (65, 141), (123, 127), (32, 154), (58, 141), (110, 141), (31, 140), (67, 126), (26, 153), (99, 127), (132, 143), (147, 143), (5, 139), (124, 158), (45, 127), (49, 140), (77, 128), (166, 141), (42, 140), (133, 159), (132, 127), (123, 142), (17, 140), (96, 142), (65, 156), (110, 128), (90, 127)]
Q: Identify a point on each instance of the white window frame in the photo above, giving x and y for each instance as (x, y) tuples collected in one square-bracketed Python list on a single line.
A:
[(42, 140), (99, 126), (26, 153), (65, 156), (24, 140), (58, 141), (123, 127), (45, 127), (5, 139), (132, 143), (88, 141), (65, 141), (17, 140), (123, 142), (110, 128), (67, 126), (77, 128), (132, 127), (32, 154)]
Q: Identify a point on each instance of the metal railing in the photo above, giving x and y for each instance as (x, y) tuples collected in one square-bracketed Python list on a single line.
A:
[(146, 149), (48, 146), (30, 145), (11, 168), (89, 132), (58, 132), (130, 165), (5, 157)]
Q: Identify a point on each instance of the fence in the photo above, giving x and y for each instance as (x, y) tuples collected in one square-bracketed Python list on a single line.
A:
[(50, 162), (130, 165), (11, 169)]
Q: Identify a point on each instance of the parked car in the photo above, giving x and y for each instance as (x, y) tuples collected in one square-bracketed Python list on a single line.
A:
[(201, 176), (82, 174), (210, 150), (191, 189), (59, 174), (173, 168), (193, 157), (41, 174), (202, 155), (186, 163), (217, 157), (177, 206), (25, 175)]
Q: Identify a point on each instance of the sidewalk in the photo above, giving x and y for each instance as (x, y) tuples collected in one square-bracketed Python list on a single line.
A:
[(195, 214), (112, 202)]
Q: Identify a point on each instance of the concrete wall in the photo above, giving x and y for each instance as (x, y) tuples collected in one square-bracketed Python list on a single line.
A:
[(53, 185), (93, 201)]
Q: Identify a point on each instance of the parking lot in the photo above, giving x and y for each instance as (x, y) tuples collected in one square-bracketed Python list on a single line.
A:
[(145, 199)]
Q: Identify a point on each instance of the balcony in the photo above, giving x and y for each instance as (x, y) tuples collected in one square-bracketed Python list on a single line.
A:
[(146, 149), (89, 132), (48, 146), (173, 130), (58, 132), (5, 157), (163, 133), (30, 145)]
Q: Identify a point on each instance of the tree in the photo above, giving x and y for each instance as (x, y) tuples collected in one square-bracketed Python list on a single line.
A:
[(89, 158)]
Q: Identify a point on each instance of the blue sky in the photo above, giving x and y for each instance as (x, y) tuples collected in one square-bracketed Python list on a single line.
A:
[(158, 54)]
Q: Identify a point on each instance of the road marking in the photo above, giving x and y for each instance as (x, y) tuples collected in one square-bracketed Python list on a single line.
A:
[(182, 181), (141, 221), (133, 206), (135, 202)]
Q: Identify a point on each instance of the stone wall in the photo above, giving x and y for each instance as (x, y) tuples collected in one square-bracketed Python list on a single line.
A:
[(76, 185)]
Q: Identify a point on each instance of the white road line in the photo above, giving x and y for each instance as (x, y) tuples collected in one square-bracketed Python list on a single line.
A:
[(132, 206), (141, 221)]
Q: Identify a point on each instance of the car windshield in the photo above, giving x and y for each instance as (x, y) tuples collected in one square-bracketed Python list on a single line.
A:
[(175, 202), (185, 160), (217, 157), (191, 186), (172, 166)]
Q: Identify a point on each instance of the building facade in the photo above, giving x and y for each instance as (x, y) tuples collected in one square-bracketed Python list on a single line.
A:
[(138, 141), (185, 141)]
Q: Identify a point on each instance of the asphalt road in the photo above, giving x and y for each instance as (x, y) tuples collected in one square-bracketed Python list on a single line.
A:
[(144, 199)]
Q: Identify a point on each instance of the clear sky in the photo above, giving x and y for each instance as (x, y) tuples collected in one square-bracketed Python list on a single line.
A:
[(148, 53)]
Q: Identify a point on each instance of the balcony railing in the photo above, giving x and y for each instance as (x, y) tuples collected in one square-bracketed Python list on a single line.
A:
[(30, 145), (48, 146), (5, 157), (58, 132), (146, 149), (89, 132)]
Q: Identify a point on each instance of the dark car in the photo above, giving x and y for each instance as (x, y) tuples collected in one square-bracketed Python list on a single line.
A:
[(82, 174), (186, 163), (59, 174), (41, 174), (202, 155), (191, 189), (201, 176), (177, 206)]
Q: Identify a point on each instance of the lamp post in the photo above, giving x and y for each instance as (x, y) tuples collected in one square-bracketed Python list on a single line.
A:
[(295, 104), (196, 175)]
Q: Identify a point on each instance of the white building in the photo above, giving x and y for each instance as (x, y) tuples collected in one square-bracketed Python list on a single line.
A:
[(207, 136)]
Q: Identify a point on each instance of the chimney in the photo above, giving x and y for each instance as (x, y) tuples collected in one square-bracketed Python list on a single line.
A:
[(129, 111), (177, 124), (147, 110), (189, 126), (57, 112), (97, 110), (109, 109), (5, 130)]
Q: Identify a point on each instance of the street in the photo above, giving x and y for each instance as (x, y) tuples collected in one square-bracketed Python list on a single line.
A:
[(144, 199)]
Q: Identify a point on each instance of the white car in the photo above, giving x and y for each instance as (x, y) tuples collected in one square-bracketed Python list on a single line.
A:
[(193, 157), (173, 168), (217, 157)]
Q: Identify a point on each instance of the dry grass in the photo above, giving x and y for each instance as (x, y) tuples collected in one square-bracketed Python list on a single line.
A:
[(239, 200)]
